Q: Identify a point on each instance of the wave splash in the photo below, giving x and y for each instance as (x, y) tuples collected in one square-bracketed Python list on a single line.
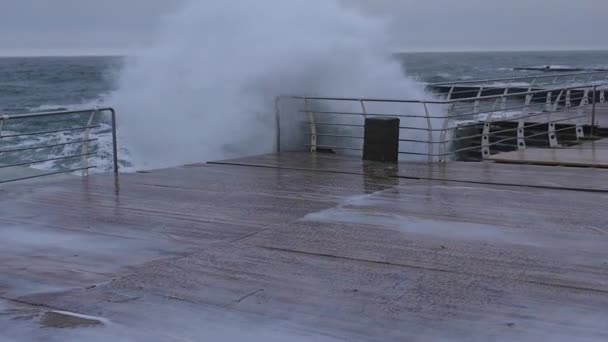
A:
[(205, 91)]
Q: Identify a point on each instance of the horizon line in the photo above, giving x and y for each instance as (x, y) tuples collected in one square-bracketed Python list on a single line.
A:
[(66, 53)]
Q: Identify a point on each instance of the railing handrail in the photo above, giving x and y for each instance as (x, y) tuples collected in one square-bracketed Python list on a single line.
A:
[(441, 102), (53, 113), (4, 118), (359, 99), (516, 78)]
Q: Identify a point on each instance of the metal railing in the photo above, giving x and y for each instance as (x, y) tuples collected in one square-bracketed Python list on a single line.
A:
[(32, 139), (558, 78), (477, 88), (439, 130)]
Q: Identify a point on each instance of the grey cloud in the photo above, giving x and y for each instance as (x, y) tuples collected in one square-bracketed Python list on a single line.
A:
[(415, 25), (80, 24), (494, 24)]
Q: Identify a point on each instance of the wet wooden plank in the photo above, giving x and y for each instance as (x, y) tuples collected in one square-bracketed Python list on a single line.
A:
[(346, 249), (351, 299), (588, 179)]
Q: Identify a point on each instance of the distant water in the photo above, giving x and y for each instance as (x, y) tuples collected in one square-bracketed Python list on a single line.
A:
[(45, 83), (54, 83), (459, 66)]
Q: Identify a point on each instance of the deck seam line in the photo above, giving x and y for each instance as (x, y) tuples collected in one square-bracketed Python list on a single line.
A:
[(414, 178), (325, 255)]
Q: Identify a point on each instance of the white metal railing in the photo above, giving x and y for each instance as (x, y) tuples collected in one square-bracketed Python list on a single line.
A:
[(477, 88), (437, 130), (536, 79), (18, 133)]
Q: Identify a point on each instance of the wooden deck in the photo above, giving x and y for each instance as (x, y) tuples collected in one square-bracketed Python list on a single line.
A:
[(306, 247), (591, 154)]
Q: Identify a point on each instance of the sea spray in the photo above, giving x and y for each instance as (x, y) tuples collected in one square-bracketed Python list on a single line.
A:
[(206, 89)]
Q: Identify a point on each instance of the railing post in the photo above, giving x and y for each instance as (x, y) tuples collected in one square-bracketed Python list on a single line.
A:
[(528, 98), (430, 129), (313, 127), (559, 97), (593, 112), (277, 118), (450, 93), (114, 141), (548, 105), (485, 137), (503, 105), (585, 100), (3, 119), (485, 141), (521, 136), (477, 102), (552, 134), (364, 110), (85, 144), (443, 139)]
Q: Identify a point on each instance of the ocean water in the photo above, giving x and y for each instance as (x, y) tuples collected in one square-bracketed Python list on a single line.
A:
[(35, 84), (461, 66)]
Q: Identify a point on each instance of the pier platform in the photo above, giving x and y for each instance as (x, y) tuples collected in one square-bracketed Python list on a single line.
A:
[(308, 247)]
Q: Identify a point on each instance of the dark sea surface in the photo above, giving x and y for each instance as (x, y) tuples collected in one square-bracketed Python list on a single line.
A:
[(455, 66), (43, 83), (34, 84)]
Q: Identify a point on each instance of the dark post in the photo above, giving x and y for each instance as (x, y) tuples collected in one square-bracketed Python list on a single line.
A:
[(381, 142), (114, 143), (593, 112)]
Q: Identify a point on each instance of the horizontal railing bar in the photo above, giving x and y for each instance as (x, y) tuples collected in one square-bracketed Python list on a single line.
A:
[(518, 78), (48, 160), (453, 116), (511, 138), (423, 116), (46, 174), (480, 146), (418, 154), (346, 99), (353, 99), (335, 147), (477, 123), (47, 146), (526, 127), (48, 132), (335, 135), (370, 114), (583, 87), (481, 134), (508, 109), (422, 141), (539, 104), (55, 113), (521, 115), (411, 128), (563, 109), (332, 124), (533, 87)]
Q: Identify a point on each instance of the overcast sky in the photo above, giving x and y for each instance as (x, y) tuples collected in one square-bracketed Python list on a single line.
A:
[(119, 26)]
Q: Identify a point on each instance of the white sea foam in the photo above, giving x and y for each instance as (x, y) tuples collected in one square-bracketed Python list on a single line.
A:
[(206, 89)]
